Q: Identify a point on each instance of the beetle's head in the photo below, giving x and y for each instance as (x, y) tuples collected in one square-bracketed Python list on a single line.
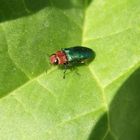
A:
[(53, 59)]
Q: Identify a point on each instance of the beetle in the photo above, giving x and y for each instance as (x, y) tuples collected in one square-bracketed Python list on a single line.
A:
[(72, 56)]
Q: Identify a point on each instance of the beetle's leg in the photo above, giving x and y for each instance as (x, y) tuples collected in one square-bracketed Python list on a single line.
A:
[(65, 69), (76, 70)]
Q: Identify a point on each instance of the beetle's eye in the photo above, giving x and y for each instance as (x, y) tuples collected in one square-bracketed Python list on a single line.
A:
[(53, 59), (56, 61)]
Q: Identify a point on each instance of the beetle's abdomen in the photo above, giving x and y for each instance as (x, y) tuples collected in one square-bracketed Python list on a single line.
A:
[(78, 54)]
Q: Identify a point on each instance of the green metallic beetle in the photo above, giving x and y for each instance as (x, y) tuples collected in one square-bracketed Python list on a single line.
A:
[(72, 56)]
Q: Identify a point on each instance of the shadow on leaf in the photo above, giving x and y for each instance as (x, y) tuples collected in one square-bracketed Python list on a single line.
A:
[(15, 9), (124, 114)]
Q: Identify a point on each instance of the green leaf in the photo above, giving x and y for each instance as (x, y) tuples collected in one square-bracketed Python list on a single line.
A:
[(102, 103)]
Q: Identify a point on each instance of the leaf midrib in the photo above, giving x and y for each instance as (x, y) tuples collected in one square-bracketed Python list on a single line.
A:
[(94, 74)]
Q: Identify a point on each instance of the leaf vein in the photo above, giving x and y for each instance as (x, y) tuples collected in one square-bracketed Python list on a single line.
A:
[(106, 36), (80, 115), (24, 108), (62, 123), (80, 27), (26, 8), (94, 75), (131, 68), (28, 82), (48, 90), (10, 55)]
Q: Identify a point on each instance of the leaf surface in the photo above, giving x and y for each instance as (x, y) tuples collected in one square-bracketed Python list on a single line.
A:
[(101, 103)]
